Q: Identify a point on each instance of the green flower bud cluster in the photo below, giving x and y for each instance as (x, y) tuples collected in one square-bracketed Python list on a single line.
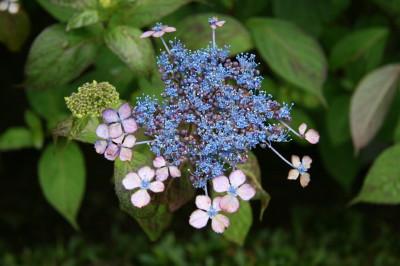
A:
[(92, 98)]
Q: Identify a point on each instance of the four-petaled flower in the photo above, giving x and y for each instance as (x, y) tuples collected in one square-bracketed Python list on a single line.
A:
[(311, 135), (214, 22), (164, 169), (301, 168), (234, 186), (120, 121), (142, 180), (208, 210), (157, 31)]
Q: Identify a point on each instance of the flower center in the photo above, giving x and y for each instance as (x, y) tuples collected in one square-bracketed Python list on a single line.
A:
[(302, 169), (232, 191), (144, 184), (212, 212)]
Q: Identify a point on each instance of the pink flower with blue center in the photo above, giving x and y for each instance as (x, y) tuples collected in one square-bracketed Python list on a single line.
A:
[(157, 31), (164, 169), (235, 187), (142, 181), (120, 121), (209, 209), (300, 169)]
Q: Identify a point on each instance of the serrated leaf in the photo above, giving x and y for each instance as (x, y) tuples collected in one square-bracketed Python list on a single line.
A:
[(62, 179), (126, 43), (15, 138), (80, 129), (251, 169), (56, 57), (290, 53), (141, 13), (155, 217), (178, 192), (35, 126), (233, 33), (84, 18), (14, 29), (239, 224), (382, 183), (371, 102)]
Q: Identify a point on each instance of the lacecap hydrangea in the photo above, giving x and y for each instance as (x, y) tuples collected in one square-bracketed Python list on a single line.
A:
[(212, 114)]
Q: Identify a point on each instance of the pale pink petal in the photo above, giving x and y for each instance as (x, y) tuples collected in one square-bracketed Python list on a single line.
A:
[(146, 173), (131, 181), (125, 154), (220, 184), (147, 34), (304, 179), (246, 192), (216, 203), (157, 186), (124, 111), (229, 203), (169, 29), (3, 6), (219, 223), (110, 116), (115, 130), (174, 171), (237, 178), (203, 202), (119, 140), (100, 146), (293, 174), (111, 152), (159, 162), (102, 131), (129, 141), (13, 8), (302, 128), (306, 161), (296, 161), (220, 23), (158, 34), (198, 219), (129, 125), (140, 198), (213, 26), (312, 136), (162, 174)]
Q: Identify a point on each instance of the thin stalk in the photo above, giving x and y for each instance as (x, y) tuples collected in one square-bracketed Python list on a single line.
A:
[(213, 38), (291, 129), (165, 45), (280, 156)]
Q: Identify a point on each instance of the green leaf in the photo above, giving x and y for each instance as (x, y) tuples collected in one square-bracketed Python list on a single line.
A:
[(360, 51), (290, 53), (371, 102), (15, 138), (251, 168), (35, 126), (126, 43), (337, 120), (382, 183), (14, 29), (152, 86), (141, 13), (62, 179), (233, 33), (310, 15), (155, 217), (239, 224), (80, 129), (56, 57), (85, 18), (63, 10), (397, 132)]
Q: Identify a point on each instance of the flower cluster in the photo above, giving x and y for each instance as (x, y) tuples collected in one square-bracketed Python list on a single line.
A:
[(212, 114)]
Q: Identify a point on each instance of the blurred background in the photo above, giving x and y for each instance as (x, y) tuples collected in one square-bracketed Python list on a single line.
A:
[(337, 60)]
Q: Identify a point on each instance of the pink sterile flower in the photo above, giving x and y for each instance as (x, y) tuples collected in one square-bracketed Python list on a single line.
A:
[(114, 147), (157, 31), (164, 169), (301, 168), (234, 186), (199, 218), (120, 121), (142, 181), (311, 135), (214, 22)]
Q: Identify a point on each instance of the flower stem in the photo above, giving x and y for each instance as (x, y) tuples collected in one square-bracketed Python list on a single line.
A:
[(213, 38), (280, 155), (291, 129), (143, 142), (165, 45)]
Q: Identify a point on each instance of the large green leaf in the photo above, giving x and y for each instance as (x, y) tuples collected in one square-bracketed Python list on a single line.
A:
[(14, 29), (240, 223), (371, 102), (337, 120), (195, 32), (35, 126), (397, 133), (141, 13), (382, 184), (251, 168), (290, 53), (153, 218), (56, 57), (84, 18), (137, 53), (63, 10), (62, 179), (80, 129), (16, 138)]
